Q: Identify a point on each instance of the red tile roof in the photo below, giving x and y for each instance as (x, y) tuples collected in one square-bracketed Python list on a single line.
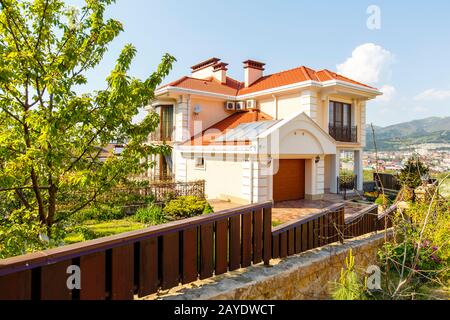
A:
[(207, 137), (231, 87), (234, 88)]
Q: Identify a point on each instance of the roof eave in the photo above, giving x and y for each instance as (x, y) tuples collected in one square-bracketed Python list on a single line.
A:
[(178, 90), (201, 149), (370, 92)]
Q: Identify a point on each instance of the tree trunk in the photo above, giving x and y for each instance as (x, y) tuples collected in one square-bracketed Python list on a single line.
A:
[(51, 206)]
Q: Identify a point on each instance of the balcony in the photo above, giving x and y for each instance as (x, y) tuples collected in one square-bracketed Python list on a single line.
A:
[(166, 128), (162, 135), (344, 134)]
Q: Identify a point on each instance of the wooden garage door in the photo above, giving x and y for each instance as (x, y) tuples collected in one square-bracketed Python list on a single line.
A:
[(289, 182)]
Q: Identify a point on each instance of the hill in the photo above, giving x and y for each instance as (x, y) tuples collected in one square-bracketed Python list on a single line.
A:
[(429, 130)]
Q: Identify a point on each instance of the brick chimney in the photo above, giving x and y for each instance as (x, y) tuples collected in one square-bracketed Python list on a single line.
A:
[(220, 72), (204, 69), (254, 70)]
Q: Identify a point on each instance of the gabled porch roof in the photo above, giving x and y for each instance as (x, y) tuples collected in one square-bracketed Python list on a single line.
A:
[(296, 136)]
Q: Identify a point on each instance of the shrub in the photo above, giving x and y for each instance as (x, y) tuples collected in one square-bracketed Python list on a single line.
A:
[(100, 212), (413, 173), (186, 207), (21, 233), (419, 254), (383, 201), (350, 286), (208, 209), (152, 215)]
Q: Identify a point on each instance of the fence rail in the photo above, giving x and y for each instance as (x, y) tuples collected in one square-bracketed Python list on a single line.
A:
[(386, 219), (308, 233), (364, 222), (162, 190), (142, 262)]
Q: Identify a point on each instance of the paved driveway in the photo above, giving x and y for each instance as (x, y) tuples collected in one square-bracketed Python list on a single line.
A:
[(288, 211)]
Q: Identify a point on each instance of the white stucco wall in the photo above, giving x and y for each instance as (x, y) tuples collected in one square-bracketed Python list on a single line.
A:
[(256, 182), (287, 105), (212, 112), (224, 177)]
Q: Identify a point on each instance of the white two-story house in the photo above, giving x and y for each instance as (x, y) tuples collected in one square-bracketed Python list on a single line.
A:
[(271, 137)]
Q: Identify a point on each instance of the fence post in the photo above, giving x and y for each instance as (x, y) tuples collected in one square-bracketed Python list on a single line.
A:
[(375, 220), (341, 224), (267, 235)]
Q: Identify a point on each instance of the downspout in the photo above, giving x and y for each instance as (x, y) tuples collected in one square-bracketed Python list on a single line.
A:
[(252, 193), (252, 201)]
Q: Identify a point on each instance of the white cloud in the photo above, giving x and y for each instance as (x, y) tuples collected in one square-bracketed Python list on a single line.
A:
[(420, 109), (369, 64), (388, 93), (433, 94)]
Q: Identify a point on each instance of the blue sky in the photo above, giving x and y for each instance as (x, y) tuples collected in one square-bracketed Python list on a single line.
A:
[(408, 57)]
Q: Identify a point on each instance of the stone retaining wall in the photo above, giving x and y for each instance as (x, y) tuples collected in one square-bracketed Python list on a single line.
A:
[(302, 277)]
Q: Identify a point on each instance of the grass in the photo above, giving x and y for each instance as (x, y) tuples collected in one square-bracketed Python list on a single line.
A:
[(276, 223), (368, 175), (445, 188), (104, 229)]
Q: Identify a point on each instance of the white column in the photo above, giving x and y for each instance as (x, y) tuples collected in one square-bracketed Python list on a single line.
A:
[(309, 103), (320, 177), (314, 179), (180, 167), (310, 179), (358, 168), (254, 182), (326, 102), (182, 119), (362, 129), (335, 166)]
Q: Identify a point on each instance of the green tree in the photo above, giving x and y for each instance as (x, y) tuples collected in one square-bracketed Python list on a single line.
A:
[(413, 172), (50, 135)]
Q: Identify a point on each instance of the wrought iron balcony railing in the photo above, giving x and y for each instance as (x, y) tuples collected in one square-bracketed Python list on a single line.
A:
[(344, 134)]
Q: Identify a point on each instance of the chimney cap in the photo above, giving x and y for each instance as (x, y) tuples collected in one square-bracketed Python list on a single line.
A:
[(254, 64), (220, 66), (205, 64)]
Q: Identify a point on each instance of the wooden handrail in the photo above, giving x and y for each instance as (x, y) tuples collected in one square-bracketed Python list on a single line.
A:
[(388, 212), (361, 213), (38, 259)]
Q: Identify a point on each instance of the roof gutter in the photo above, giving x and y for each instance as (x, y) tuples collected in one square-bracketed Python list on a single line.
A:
[(190, 91), (294, 86), (242, 149)]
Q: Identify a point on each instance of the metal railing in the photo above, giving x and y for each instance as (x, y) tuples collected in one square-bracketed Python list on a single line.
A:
[(344, 134)]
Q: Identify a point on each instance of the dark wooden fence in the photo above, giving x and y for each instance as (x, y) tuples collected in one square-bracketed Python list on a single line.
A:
[(386, 219), (369, 220), (386, 181), (364, 222), (142, 262), (308, 233)]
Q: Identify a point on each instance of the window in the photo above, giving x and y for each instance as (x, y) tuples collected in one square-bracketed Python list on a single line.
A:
[(340, 122), (200, 163), (166, 125), (340, 114)]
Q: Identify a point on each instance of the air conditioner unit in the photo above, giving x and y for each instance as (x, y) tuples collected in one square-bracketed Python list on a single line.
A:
[(251, 104), (230, 105), (241, 105)]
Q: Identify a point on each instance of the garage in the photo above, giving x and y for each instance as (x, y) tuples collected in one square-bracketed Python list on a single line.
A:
[(289, 181)]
